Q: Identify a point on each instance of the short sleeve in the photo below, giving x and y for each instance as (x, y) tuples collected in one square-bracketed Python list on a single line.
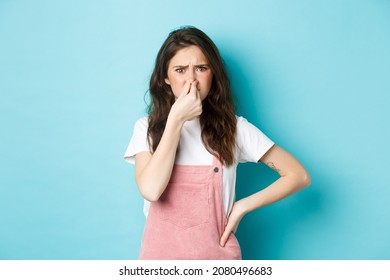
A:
[(138, 142), (252, 143)]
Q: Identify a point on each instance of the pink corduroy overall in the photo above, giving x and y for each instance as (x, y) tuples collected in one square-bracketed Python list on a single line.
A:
[(188, 220)]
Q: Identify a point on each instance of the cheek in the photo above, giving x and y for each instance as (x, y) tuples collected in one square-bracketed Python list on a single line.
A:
[(206, 80), (177, 85), (177, 82)]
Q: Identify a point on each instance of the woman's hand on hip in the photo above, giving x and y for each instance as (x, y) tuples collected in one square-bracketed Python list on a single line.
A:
[(237, 213)]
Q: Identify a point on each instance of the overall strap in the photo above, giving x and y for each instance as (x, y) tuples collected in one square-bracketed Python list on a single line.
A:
[(216, 162)]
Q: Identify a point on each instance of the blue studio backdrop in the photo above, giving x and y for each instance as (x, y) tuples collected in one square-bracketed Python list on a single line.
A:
[(312, 75)]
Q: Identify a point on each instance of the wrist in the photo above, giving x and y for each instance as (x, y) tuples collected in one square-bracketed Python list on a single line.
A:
[(242, 207), (175, 119)]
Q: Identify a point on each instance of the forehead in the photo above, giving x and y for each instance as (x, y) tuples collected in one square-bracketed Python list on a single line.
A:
[(187, 55)]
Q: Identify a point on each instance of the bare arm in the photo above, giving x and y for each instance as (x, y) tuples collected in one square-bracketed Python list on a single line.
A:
[(293, 177), (153, 170)]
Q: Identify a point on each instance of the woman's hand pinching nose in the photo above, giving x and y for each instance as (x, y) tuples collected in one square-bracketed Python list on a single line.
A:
[(188, 105), (194, 88)]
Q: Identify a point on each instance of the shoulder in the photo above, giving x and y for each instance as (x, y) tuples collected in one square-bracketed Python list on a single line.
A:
[(138, 142), (142, 124), (243, 125), (241, 121), (143, 121), (251, 142), (246, 128)]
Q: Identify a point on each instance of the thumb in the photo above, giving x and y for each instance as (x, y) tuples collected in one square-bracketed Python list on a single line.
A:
[(194, 88), (186, 88)]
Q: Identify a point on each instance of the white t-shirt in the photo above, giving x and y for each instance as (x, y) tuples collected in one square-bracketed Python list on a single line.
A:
[(251, 145)]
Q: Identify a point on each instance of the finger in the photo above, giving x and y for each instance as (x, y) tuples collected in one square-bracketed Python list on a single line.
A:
[(225, 236), (186, 89), (194, 88), (197, 92)]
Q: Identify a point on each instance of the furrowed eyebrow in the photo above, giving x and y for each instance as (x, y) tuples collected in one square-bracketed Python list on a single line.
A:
[(185, 66)]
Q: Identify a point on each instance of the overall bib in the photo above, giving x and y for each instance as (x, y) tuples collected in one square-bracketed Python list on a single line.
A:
[(188, 220)]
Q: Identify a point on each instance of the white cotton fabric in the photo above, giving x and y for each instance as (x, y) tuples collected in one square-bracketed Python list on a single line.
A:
[(251, 145)]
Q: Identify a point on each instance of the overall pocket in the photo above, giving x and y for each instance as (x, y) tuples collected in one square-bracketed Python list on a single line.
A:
[(184, 205)]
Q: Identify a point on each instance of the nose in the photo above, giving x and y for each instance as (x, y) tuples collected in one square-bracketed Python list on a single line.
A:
[(191, 73)]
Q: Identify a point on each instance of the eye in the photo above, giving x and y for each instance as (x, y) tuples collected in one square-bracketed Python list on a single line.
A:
[(179, 70), (202, 68)]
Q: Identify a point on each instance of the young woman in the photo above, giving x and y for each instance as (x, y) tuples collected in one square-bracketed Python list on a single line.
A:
[(187, 150)]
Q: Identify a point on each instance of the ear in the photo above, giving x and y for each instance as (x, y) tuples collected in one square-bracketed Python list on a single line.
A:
[(167, 81)]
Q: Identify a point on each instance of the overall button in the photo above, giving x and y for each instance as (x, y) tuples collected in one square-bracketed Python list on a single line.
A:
[(216, 169)]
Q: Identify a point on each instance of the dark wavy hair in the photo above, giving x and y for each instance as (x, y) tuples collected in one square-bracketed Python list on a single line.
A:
[(218, 120)]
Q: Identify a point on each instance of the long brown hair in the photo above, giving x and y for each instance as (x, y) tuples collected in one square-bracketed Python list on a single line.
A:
[(218, 120)]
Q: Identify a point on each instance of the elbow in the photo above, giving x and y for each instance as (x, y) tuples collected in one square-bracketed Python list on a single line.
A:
[(305, 179), (301, 180), (149, 192), (151, 197)]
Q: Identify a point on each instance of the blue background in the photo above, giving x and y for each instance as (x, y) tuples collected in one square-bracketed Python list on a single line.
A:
[(313, 75)]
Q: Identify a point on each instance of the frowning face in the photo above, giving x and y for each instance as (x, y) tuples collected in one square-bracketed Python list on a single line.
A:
[(190, 64)]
